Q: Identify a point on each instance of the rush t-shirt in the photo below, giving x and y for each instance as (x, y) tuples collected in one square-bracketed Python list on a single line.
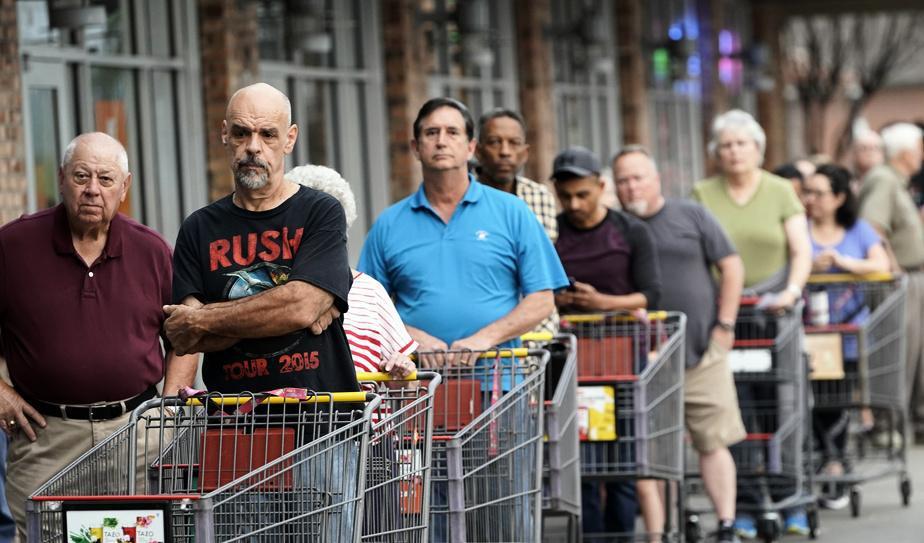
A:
[(224, 252)]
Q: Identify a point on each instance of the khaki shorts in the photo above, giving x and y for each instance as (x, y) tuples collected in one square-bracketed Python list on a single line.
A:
[(711, 402)]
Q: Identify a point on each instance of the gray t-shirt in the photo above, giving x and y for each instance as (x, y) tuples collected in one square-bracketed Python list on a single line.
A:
[(689, 240)]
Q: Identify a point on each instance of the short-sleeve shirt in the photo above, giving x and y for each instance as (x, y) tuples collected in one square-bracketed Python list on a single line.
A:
[(846, 303), (689, 241), (372, 325), (755, 227), (453, 279), (225, 252), (886, 203), (616, 256), (79, 334)]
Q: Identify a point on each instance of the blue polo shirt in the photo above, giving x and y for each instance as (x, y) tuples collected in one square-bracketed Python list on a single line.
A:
[(451, 280)]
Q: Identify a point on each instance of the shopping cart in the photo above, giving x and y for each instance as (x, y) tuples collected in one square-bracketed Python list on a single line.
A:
[(397, 501), (630, 374), (561, 460), (249, 467), (855, 336), (770, 375), (487, 439)]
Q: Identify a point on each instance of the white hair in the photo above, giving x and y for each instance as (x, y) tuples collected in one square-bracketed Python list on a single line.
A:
[(900, 137), (121, 154), (326, 180), (737, 119)]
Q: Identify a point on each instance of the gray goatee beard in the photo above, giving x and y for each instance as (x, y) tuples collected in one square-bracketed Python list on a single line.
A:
[(638, 207), (251, 179)]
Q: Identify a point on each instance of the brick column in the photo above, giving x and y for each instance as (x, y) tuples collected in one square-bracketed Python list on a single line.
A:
[(12, 149), (771, 107), (405, 90), (534, 61), (230, 60), (632, 72)]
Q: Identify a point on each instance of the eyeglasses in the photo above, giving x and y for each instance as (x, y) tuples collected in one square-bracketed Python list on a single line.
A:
[(815, 193)]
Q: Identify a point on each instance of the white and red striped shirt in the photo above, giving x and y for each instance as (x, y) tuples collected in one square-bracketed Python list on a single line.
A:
[(372, 325)]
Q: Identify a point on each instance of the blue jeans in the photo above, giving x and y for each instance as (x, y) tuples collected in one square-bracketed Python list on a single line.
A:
[(617, 515), (7, 526)]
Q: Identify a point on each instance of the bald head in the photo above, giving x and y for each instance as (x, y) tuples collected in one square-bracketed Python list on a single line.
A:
[(100, 143), (258, 133), (264, 95)]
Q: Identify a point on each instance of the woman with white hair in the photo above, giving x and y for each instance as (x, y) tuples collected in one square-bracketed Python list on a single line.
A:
[(766, 222), (378, 339)]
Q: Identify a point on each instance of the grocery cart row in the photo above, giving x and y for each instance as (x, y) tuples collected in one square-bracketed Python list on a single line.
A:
[(489, 450)]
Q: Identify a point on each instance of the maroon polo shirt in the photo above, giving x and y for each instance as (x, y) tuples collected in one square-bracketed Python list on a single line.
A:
[(77, 334)]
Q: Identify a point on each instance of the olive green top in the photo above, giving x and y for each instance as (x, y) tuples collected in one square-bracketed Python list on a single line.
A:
[(755, 227), (885, 202)]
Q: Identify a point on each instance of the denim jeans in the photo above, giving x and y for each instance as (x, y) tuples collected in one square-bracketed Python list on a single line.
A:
[(7, 526)]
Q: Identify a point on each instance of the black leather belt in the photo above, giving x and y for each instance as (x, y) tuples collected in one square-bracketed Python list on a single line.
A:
[(94, 412)]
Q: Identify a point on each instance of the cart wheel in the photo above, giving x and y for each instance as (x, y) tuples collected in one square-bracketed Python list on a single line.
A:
[(813, 523), (768, 529), (694, 530), (855, 502), (906, 491)]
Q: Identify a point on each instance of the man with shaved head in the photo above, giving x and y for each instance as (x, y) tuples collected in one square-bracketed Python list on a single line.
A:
[(261, 276), (81, 318)]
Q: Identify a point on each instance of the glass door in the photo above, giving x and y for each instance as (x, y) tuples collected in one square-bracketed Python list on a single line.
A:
[(49, 123)]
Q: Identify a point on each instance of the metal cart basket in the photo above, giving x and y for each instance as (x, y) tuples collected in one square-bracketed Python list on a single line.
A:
[(487, 448), (397, 501), (250, 467), (855, 332), (630, 371)]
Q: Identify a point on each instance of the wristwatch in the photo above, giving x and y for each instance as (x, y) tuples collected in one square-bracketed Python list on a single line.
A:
[(727, 325), (794, 289)]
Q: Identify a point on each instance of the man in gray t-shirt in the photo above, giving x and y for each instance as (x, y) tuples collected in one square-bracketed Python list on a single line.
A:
[(689, 242)]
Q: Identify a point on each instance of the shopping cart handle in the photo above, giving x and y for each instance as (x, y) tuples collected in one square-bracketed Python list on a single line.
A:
[(825, 278), (617, 316), (336, 397), (537, 336), (381, 377), (515, 352)]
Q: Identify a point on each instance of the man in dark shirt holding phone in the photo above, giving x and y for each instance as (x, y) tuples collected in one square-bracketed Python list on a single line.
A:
[(612, 264)]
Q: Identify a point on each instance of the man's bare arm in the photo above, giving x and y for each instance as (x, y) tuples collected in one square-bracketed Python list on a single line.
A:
[(731, 269), (281, 310), (181, 372), (531, 310)]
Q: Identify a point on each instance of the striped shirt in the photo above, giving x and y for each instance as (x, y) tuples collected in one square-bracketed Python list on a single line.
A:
[(372, 325)]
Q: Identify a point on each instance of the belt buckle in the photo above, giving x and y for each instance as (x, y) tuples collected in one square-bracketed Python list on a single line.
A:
[(90, 412)]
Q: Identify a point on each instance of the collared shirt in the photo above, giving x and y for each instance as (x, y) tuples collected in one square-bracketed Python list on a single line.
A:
[(81, 334), (886, 202), (451, 280), (541, 202)]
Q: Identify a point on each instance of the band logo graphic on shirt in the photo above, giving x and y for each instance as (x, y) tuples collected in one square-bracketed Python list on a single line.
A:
[(248, 282), (255, 279), (268, 246)]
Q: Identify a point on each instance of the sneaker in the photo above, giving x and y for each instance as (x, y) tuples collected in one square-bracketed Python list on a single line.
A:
[(796, 523), (726, 534), (836, 499), (745, 527)]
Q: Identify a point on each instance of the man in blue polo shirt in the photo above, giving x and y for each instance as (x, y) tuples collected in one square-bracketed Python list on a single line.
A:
[(469, 266)]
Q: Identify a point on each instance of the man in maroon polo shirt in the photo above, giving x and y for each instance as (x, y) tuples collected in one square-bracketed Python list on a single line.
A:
[(81, 316)]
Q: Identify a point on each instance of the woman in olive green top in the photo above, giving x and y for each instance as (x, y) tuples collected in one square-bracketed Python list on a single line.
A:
[(767, 224), (760, 211)]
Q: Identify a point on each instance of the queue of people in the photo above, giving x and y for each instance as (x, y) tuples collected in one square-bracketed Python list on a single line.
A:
[(97, 310)]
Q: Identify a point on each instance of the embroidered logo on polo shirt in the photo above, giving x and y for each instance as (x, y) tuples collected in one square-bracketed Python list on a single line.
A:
[(481, 235)]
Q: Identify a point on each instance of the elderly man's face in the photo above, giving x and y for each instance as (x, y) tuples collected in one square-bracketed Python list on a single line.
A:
[(502, 149), (257, 137), (867, 154), (93, 184), (637, 183)]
